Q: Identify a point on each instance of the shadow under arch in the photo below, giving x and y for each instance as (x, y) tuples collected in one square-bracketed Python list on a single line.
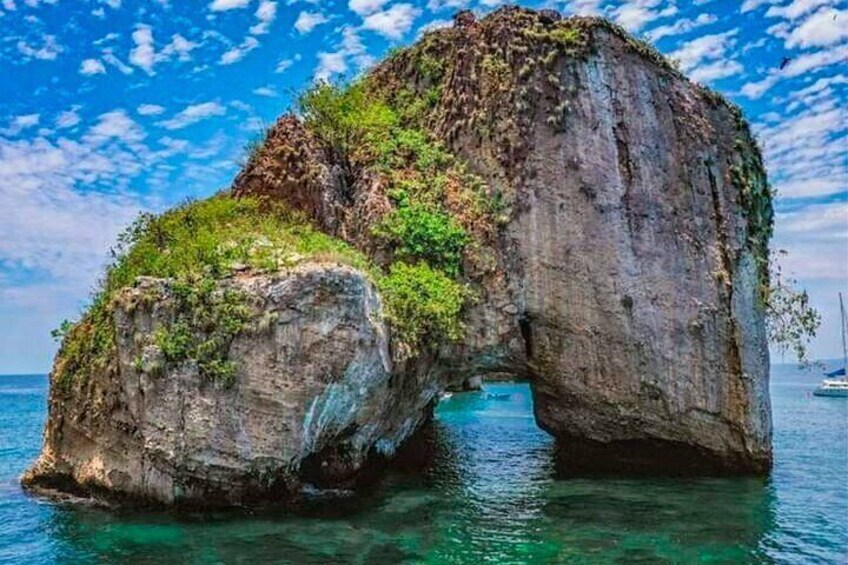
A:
[(577, 456)]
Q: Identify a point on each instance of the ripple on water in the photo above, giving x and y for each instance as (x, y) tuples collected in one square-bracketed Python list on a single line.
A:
[(488, 495)]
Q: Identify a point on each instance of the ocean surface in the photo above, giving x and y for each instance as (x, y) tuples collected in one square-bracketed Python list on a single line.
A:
[(488, 496)]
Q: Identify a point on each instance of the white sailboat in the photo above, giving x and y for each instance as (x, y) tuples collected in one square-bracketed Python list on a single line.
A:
[(837, 386)]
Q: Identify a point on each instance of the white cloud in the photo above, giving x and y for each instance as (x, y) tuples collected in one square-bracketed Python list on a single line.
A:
[(179, 47), (266, 91), (716, 70), (750, 5), (351, 49), (149, 110), (394, 22), (751, 45), (780, 29), (108, 38), (330, 64), (239, 52), (92, 67), (436, 5), (115, 124), (804, 63), (283, 65), (684, 25), (110, 58), (365, 7), (68, 118), (307, 21), (20, 123), (48, 51), (193, 114), (825, 27), (635, 14), (796, 9), (266, 13), (584, 7), (28, 120), (143, 55), (223, 5), (710, 50)]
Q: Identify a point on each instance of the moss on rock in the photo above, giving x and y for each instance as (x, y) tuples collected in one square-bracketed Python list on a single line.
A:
[(195, 244)]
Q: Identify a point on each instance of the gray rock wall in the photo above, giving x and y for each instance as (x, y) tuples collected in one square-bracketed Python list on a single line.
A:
[(313, 397), (628, 256)]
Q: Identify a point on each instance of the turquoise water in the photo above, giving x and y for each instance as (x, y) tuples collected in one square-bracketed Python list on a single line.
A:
[(487, 497)]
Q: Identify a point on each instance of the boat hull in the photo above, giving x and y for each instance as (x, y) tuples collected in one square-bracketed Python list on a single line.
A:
[(832, 392)]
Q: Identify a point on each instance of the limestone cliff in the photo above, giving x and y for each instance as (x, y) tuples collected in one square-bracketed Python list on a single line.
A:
[(537, 196), (630, 247)]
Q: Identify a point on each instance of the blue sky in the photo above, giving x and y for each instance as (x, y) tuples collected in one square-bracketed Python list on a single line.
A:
[(109, 107)]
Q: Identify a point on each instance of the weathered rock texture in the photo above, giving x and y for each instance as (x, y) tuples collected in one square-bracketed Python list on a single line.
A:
[(315, 396), (623, 280), (628, 273)]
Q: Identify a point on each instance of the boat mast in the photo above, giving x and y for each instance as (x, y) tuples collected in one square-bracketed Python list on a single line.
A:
[(844, 348)]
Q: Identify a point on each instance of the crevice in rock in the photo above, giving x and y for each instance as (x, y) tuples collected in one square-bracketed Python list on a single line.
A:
[(734, 358), (524, 325)]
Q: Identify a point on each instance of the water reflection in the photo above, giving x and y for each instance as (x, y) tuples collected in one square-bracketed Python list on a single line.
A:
[(503, 464)]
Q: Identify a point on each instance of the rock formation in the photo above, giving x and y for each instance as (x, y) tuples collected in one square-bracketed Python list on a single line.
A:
[(629, 270), (613, 222), (316, 395)]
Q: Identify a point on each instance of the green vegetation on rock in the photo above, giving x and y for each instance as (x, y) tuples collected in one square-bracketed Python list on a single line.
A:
[(749, 177), (420, 233), (206, 322), (350, 121), (430, 67), (422, 302), (438, 206), (569, 37), (194, 244), (214, 236)]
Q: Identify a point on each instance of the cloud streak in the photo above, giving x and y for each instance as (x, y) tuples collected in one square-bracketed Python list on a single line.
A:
[(192, 114)]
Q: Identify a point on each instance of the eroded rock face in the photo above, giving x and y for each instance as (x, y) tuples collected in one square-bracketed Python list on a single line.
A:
[(628, 273), (314, 396), (629, 253)]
